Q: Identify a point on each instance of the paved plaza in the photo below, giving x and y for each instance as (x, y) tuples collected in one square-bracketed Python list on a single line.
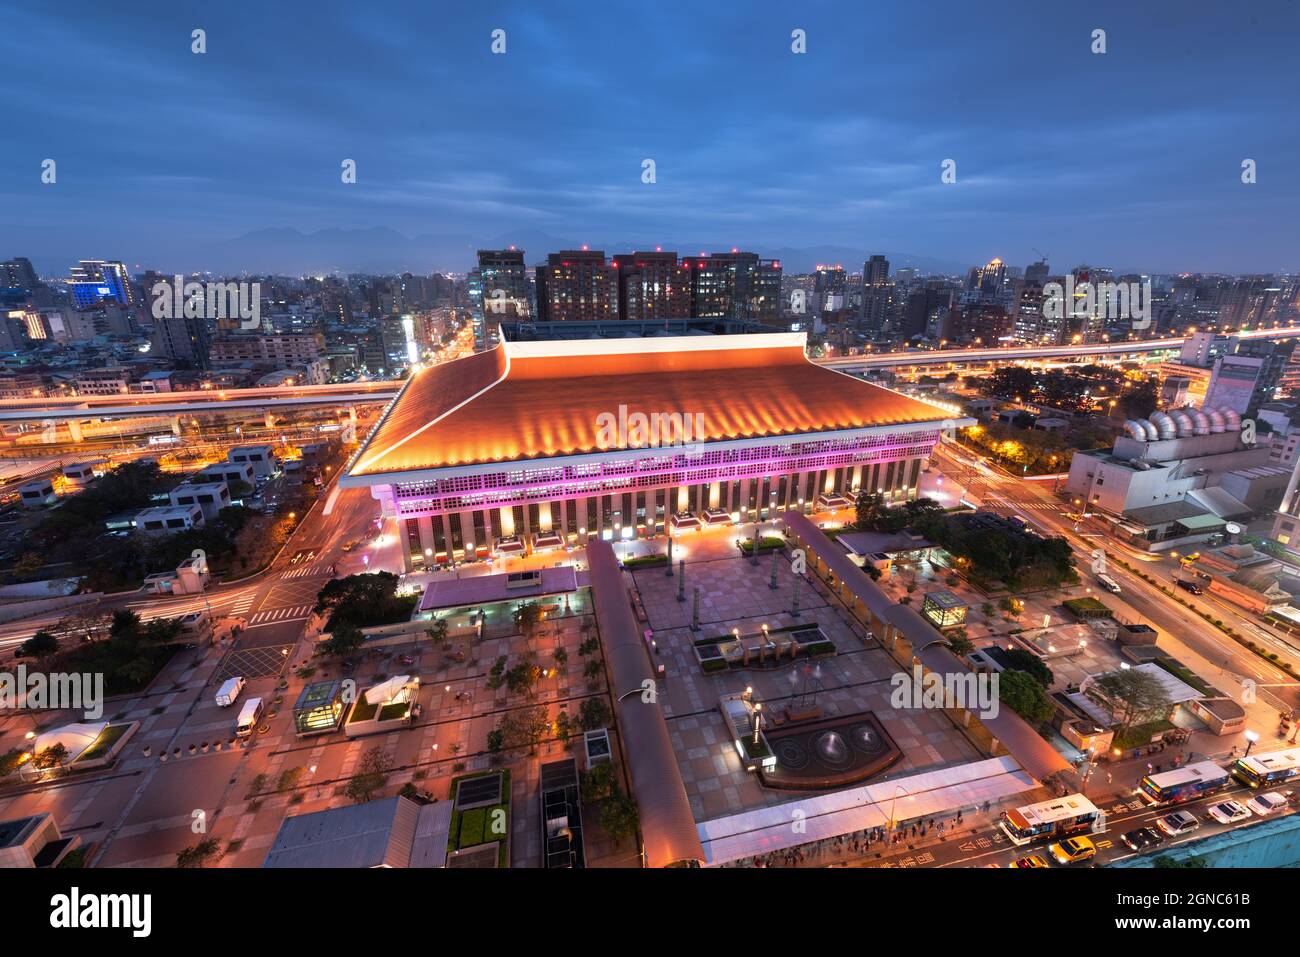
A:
[(736, 595)]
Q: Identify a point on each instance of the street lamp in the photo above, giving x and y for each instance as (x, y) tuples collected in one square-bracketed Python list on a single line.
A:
[(1251, 738), (893, 802)]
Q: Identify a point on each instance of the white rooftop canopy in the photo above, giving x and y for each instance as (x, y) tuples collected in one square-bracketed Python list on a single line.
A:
[(768, 829), (76, 738), (387, 690)]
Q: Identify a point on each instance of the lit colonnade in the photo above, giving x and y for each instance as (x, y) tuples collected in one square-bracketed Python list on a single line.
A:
[(543, 445)]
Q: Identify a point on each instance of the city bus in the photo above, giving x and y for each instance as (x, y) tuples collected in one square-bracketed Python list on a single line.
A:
[(1052, 820), (1271, 767), (1184, 784)]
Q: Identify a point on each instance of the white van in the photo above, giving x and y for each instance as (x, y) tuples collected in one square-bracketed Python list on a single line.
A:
[(1109, 584), (229, 691), (249, 715)]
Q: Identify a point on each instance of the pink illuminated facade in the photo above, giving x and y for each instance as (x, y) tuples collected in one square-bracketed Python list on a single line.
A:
[(475, 511)]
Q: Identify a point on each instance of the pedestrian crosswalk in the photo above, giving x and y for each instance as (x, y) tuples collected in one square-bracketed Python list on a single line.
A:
[(316, 570), (1036, 504), (278, 615), (218, 604), (240, 604)]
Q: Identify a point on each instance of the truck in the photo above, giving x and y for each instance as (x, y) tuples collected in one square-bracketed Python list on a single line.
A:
[(229, 691), (249, 715)]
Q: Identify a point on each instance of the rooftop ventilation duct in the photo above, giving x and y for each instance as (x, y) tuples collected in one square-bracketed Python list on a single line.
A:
[(1216, 421), (1184, 423), (1152, 432), (1135, 430), (1165, 426), (1201, 421), (1231, 419)]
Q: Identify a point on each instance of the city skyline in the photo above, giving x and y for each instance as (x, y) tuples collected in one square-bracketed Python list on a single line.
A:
[(230, 160)]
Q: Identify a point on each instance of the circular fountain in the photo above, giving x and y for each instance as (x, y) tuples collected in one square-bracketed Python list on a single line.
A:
[(832, 750)]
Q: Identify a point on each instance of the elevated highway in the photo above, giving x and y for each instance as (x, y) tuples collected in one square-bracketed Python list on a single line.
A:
[(1100, 350), (284, 397), (184, 403)]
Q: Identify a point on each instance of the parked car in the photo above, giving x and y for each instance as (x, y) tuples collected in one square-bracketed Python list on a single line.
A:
[(1180, 822), (1229, 812), (1189, 585), (1266, 804), (1073, 850), (1142, 838)]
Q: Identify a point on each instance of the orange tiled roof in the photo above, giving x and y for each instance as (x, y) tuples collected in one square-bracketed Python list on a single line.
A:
[(546, 406)]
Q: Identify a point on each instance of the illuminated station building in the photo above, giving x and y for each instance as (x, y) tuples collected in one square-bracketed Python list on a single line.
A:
[(544, 445)]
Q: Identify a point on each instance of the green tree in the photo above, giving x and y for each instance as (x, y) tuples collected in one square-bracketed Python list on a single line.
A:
[(563, 727), (593, 713), (869, 509), (1025, 696), (137, 670), (41, 645), (958, 643), (52, 757), (346, 640), (523, 676), (619, 817), (29, 565), (525, 726), (362, 600), (372, 772), (527, 616), (1133, 697), (10, 761), (126, 623), (437, 632), (497, 674), (205, 852), (1020, 660), (598, 783)]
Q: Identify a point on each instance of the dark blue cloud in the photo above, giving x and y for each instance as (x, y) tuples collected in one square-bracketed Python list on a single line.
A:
[(1131, 158)]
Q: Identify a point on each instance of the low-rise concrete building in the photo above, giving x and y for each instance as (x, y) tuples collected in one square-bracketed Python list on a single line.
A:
[(210, 497), (228, 472), (34, 841), (260, 457), (81, 474), (37, 494), (1179, 477), (168, 519)]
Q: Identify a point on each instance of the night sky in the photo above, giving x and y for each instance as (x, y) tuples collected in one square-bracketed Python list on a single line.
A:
[(1130, 159)]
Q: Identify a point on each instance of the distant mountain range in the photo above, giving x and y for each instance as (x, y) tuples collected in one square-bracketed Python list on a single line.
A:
[(290, 251)]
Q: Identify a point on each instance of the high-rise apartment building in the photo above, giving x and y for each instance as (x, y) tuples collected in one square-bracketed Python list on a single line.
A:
[(577, 285), (652, 286), (735, 285), (94, 280), (498, 289), (877, 295), (17, 273)]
